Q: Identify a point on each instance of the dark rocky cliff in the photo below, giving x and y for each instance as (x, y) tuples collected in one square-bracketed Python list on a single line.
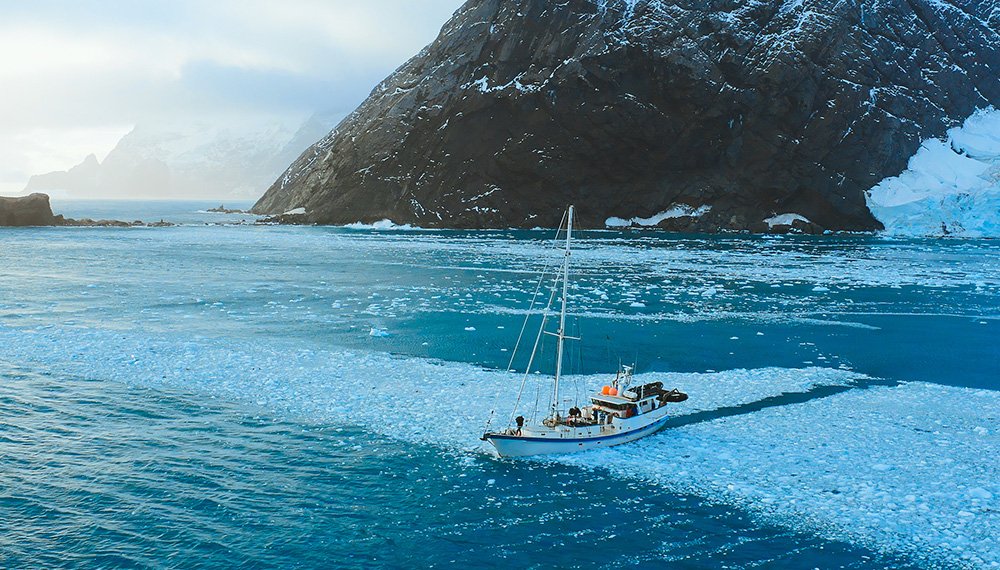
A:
[(629, 108)]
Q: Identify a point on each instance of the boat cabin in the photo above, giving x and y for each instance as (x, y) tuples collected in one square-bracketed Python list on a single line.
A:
[(623, 406)]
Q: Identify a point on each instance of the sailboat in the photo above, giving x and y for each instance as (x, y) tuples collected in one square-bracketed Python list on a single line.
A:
[(617, 413)]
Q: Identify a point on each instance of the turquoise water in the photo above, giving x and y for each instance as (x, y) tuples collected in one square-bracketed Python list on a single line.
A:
[(210, 395)]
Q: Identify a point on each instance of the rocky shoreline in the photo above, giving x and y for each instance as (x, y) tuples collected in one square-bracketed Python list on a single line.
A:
[(34, 210)]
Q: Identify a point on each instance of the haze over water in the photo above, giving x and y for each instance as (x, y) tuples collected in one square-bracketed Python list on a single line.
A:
[(204, 396)]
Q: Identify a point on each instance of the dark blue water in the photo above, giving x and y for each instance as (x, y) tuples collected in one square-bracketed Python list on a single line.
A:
[(213, 395)]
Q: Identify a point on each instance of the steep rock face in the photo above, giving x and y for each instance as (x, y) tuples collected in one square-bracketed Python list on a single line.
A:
[(31, 210), (736, 110)]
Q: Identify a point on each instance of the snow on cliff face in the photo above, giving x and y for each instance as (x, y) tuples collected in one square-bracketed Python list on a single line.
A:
[(951, 187)]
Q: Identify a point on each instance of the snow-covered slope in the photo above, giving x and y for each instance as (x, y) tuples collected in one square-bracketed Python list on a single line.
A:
[(951, 187)]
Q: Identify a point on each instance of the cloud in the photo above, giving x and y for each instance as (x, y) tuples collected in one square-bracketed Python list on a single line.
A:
[(69, 68)]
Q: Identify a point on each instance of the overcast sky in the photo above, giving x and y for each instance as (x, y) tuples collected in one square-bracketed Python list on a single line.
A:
[(78, 75)]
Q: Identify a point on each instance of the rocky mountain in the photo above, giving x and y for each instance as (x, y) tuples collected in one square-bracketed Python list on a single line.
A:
[(207, 159), (82, 179), (697, 115)]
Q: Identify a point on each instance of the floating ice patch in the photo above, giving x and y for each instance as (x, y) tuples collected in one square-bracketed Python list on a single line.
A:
[(900, 467), (287, 374), (378, 333)]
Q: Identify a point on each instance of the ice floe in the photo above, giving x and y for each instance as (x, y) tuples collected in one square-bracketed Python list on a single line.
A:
[(892, 467)]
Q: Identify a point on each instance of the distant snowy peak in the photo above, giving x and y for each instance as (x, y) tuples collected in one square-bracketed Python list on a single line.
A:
[(217, 158), (206, 141), (951, 186), (198, 159)]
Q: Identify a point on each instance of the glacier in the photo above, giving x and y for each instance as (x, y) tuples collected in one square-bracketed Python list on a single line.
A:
[(950, 188)]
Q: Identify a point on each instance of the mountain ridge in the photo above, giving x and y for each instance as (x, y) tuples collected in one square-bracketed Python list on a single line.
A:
[(209, 158)]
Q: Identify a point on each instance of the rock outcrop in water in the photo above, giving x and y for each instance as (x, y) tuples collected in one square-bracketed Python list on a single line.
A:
[(31, 210), (683, 114), (35, 210)]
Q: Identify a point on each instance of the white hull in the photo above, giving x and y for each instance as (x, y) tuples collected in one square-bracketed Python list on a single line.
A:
[(571, 440)]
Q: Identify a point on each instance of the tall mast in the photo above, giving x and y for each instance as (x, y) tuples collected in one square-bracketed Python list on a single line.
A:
[(562, 315)]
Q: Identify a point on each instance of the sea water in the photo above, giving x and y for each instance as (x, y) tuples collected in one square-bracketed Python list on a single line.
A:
[(217, 394)]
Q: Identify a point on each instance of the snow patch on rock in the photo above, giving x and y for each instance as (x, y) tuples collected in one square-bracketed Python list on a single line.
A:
[(785, 220), (380, 225), (676, 211)]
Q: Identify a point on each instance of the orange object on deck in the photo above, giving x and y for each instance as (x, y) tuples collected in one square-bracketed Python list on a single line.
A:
[(606, 390), (613, 392)]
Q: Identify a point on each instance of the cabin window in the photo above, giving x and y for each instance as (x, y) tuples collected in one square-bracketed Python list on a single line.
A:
[(610, 405)]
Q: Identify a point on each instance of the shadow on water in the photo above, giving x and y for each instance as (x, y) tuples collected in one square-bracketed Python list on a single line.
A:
[(784, 399)]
